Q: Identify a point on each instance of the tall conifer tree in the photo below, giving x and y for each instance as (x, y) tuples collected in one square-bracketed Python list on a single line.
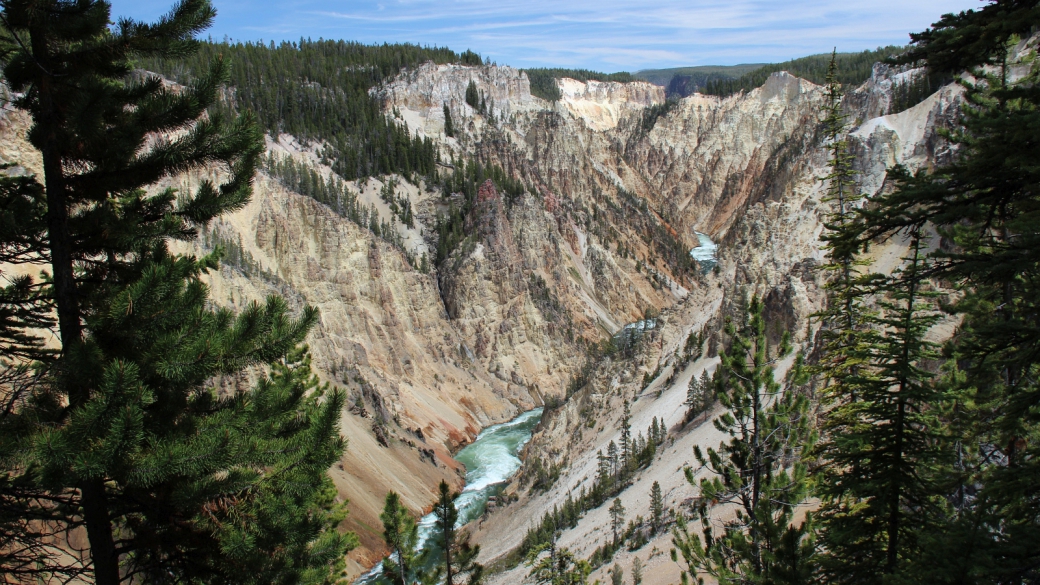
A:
[(759, 470), (841, 319), (401, 534), (985, 206), (883, 453), (172, 481), (656, 507), (458, 558)]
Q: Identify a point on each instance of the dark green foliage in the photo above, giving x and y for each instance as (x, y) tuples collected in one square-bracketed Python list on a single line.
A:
[(612, 478), (472, 97), (558, 566), (973, 38), (694, 347), (401, 534), (852, 69), (33, 520), (656, 507), (651, 114), (124, 436), (465, 181), (233, 253), (681, 82), (543, 476), (449, 125), (400, 206), (841, 320), (985, 208), (304, 180), (908, 94), (24, 307), (626, 342), (333, 193), (700, 395), (543, 80), (880, 430), (694, 77), (457, 563), (617, 519), (882, 451), (468, 57), (760, 469), (626, 437), (318, 90)]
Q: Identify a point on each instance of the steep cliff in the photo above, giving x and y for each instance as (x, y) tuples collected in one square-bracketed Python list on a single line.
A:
[(744, 169)]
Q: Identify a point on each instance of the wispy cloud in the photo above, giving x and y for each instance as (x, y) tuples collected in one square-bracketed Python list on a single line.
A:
[(608, 35)]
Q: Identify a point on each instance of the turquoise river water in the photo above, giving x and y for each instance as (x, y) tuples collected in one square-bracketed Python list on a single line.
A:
[(704, 254), (490, 461)]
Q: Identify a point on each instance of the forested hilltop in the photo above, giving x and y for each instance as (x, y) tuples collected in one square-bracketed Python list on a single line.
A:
[(851, 69), (318, 90), (680, 82), (543, 80)]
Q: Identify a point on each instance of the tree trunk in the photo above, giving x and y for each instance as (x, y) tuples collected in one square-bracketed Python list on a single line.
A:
[(95, 509)]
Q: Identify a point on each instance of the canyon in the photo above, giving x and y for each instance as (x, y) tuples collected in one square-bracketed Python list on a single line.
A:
[(623, 182)]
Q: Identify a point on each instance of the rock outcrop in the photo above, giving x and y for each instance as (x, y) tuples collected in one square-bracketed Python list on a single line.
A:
[(745, 170)]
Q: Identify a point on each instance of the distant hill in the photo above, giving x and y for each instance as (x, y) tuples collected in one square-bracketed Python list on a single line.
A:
[(852, 69), (683, 81)]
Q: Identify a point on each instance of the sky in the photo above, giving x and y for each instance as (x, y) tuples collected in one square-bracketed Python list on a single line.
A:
[(603, 35)]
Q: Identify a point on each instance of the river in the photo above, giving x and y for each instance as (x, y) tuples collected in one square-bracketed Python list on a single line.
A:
[(704, 254), (490, 461)]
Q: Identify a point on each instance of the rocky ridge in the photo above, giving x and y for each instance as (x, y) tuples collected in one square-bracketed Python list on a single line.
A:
[(746, 170)]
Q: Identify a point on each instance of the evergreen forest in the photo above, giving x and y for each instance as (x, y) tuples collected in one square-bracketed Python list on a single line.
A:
[(318, 91), (851, 69), (543, 79)]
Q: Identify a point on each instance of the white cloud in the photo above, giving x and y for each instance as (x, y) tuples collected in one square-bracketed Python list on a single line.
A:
[(596, 34)]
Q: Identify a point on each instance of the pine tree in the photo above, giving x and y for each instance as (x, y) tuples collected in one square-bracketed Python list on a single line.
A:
[(458, 563), (693, 398), (615, 466), (558, 566), (841, 319), (194, 486), (656, 507), (637, 571), (604, 472), (707, 389), (617, 520), (401, 534), (617, 575), (760, 469), (472, 96), (984, 206), (883, 449), (449, 126), (626, 440), (29, 520)]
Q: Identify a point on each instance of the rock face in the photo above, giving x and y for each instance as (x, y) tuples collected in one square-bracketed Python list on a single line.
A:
[(744, 169), (428, 359)]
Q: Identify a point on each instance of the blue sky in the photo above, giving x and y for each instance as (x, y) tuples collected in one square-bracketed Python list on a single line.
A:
[(605, 35)]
